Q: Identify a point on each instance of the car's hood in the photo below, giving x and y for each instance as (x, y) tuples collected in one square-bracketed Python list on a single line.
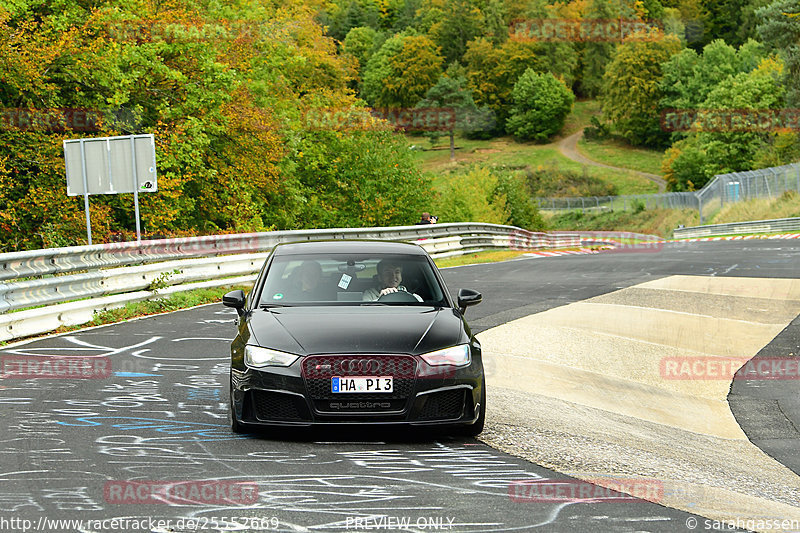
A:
[(368, 329)]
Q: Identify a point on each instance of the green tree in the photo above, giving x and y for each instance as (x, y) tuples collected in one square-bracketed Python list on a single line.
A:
[(733, 21), (361, 43), (399, 15), (225, 88), (362, 179), (493, 71), (559, 57), (541, 104), (719, 146), (522, 210), (689, 77), (685, 166), (451, 24), (631, 90), (339, 17), (451, 94), (401, 71), (473, 196), (731, 151), (596, 54), (779, 28)]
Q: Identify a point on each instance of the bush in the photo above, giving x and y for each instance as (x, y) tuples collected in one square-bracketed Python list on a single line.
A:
[(358, 180), (470, 197), (685, 166), (598, 131), (544, 182), (483, 195), (541, 104), (522, 210)]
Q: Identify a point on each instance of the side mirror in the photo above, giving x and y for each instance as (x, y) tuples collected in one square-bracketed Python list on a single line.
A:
[(468, 297), (236, 300)]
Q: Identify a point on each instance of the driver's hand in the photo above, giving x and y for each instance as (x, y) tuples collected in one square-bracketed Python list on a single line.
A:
[(389, 290)]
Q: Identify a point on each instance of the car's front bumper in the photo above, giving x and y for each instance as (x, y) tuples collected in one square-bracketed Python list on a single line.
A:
[(299, 395)]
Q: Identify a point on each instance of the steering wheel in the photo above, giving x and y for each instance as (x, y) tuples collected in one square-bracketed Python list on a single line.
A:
[(397, 297)]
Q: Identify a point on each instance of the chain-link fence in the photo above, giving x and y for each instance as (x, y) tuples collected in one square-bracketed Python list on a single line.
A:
[(675, 200), (723, 189)]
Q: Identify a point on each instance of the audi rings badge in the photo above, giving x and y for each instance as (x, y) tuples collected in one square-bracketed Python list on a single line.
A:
[(359, 366)]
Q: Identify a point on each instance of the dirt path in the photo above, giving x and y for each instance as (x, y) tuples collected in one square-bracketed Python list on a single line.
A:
[(568, 146)]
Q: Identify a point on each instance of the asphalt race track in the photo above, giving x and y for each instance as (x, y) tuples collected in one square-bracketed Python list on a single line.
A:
[(105, 447)]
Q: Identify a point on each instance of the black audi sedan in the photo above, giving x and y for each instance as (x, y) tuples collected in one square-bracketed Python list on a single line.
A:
[(354, 332)]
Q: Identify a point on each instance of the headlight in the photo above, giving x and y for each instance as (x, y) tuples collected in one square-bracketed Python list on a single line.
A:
[(257, 356), (455, 356)]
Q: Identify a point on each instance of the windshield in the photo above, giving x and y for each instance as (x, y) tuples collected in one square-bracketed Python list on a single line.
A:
[(342, 279)]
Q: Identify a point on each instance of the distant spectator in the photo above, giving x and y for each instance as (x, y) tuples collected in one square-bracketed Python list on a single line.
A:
[(426, 219)]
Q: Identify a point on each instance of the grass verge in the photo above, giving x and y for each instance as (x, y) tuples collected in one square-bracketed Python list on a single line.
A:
[(580, 117), (478, 257), (785, 206), (659, 222), (663, 221), (620, 154), (503, 152)]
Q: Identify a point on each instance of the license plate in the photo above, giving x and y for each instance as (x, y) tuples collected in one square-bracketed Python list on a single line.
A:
[(361, 384)]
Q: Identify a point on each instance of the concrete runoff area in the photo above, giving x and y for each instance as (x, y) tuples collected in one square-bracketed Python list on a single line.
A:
[(587, 389)]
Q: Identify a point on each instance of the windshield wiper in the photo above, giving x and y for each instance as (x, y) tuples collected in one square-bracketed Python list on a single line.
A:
[(269, 306)]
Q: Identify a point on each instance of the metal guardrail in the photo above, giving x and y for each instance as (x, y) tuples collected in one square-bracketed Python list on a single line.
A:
[(780, 225), (60, 260), (107, 276), (103, 282)]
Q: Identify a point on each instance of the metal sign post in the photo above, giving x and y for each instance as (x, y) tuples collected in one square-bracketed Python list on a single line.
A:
[(86, 194), (111, 165), (135, 192)]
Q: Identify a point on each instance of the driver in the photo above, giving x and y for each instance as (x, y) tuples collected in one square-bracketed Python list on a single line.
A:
[(390, 274)]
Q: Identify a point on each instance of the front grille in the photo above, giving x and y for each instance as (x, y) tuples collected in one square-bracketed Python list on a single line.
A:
[(277, 406), (318, 371), (445, 405)]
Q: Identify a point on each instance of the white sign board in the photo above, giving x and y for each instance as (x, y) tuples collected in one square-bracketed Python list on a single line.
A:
[(110, 165)]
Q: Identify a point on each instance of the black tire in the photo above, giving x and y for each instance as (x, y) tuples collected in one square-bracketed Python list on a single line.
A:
[(475, 429)]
